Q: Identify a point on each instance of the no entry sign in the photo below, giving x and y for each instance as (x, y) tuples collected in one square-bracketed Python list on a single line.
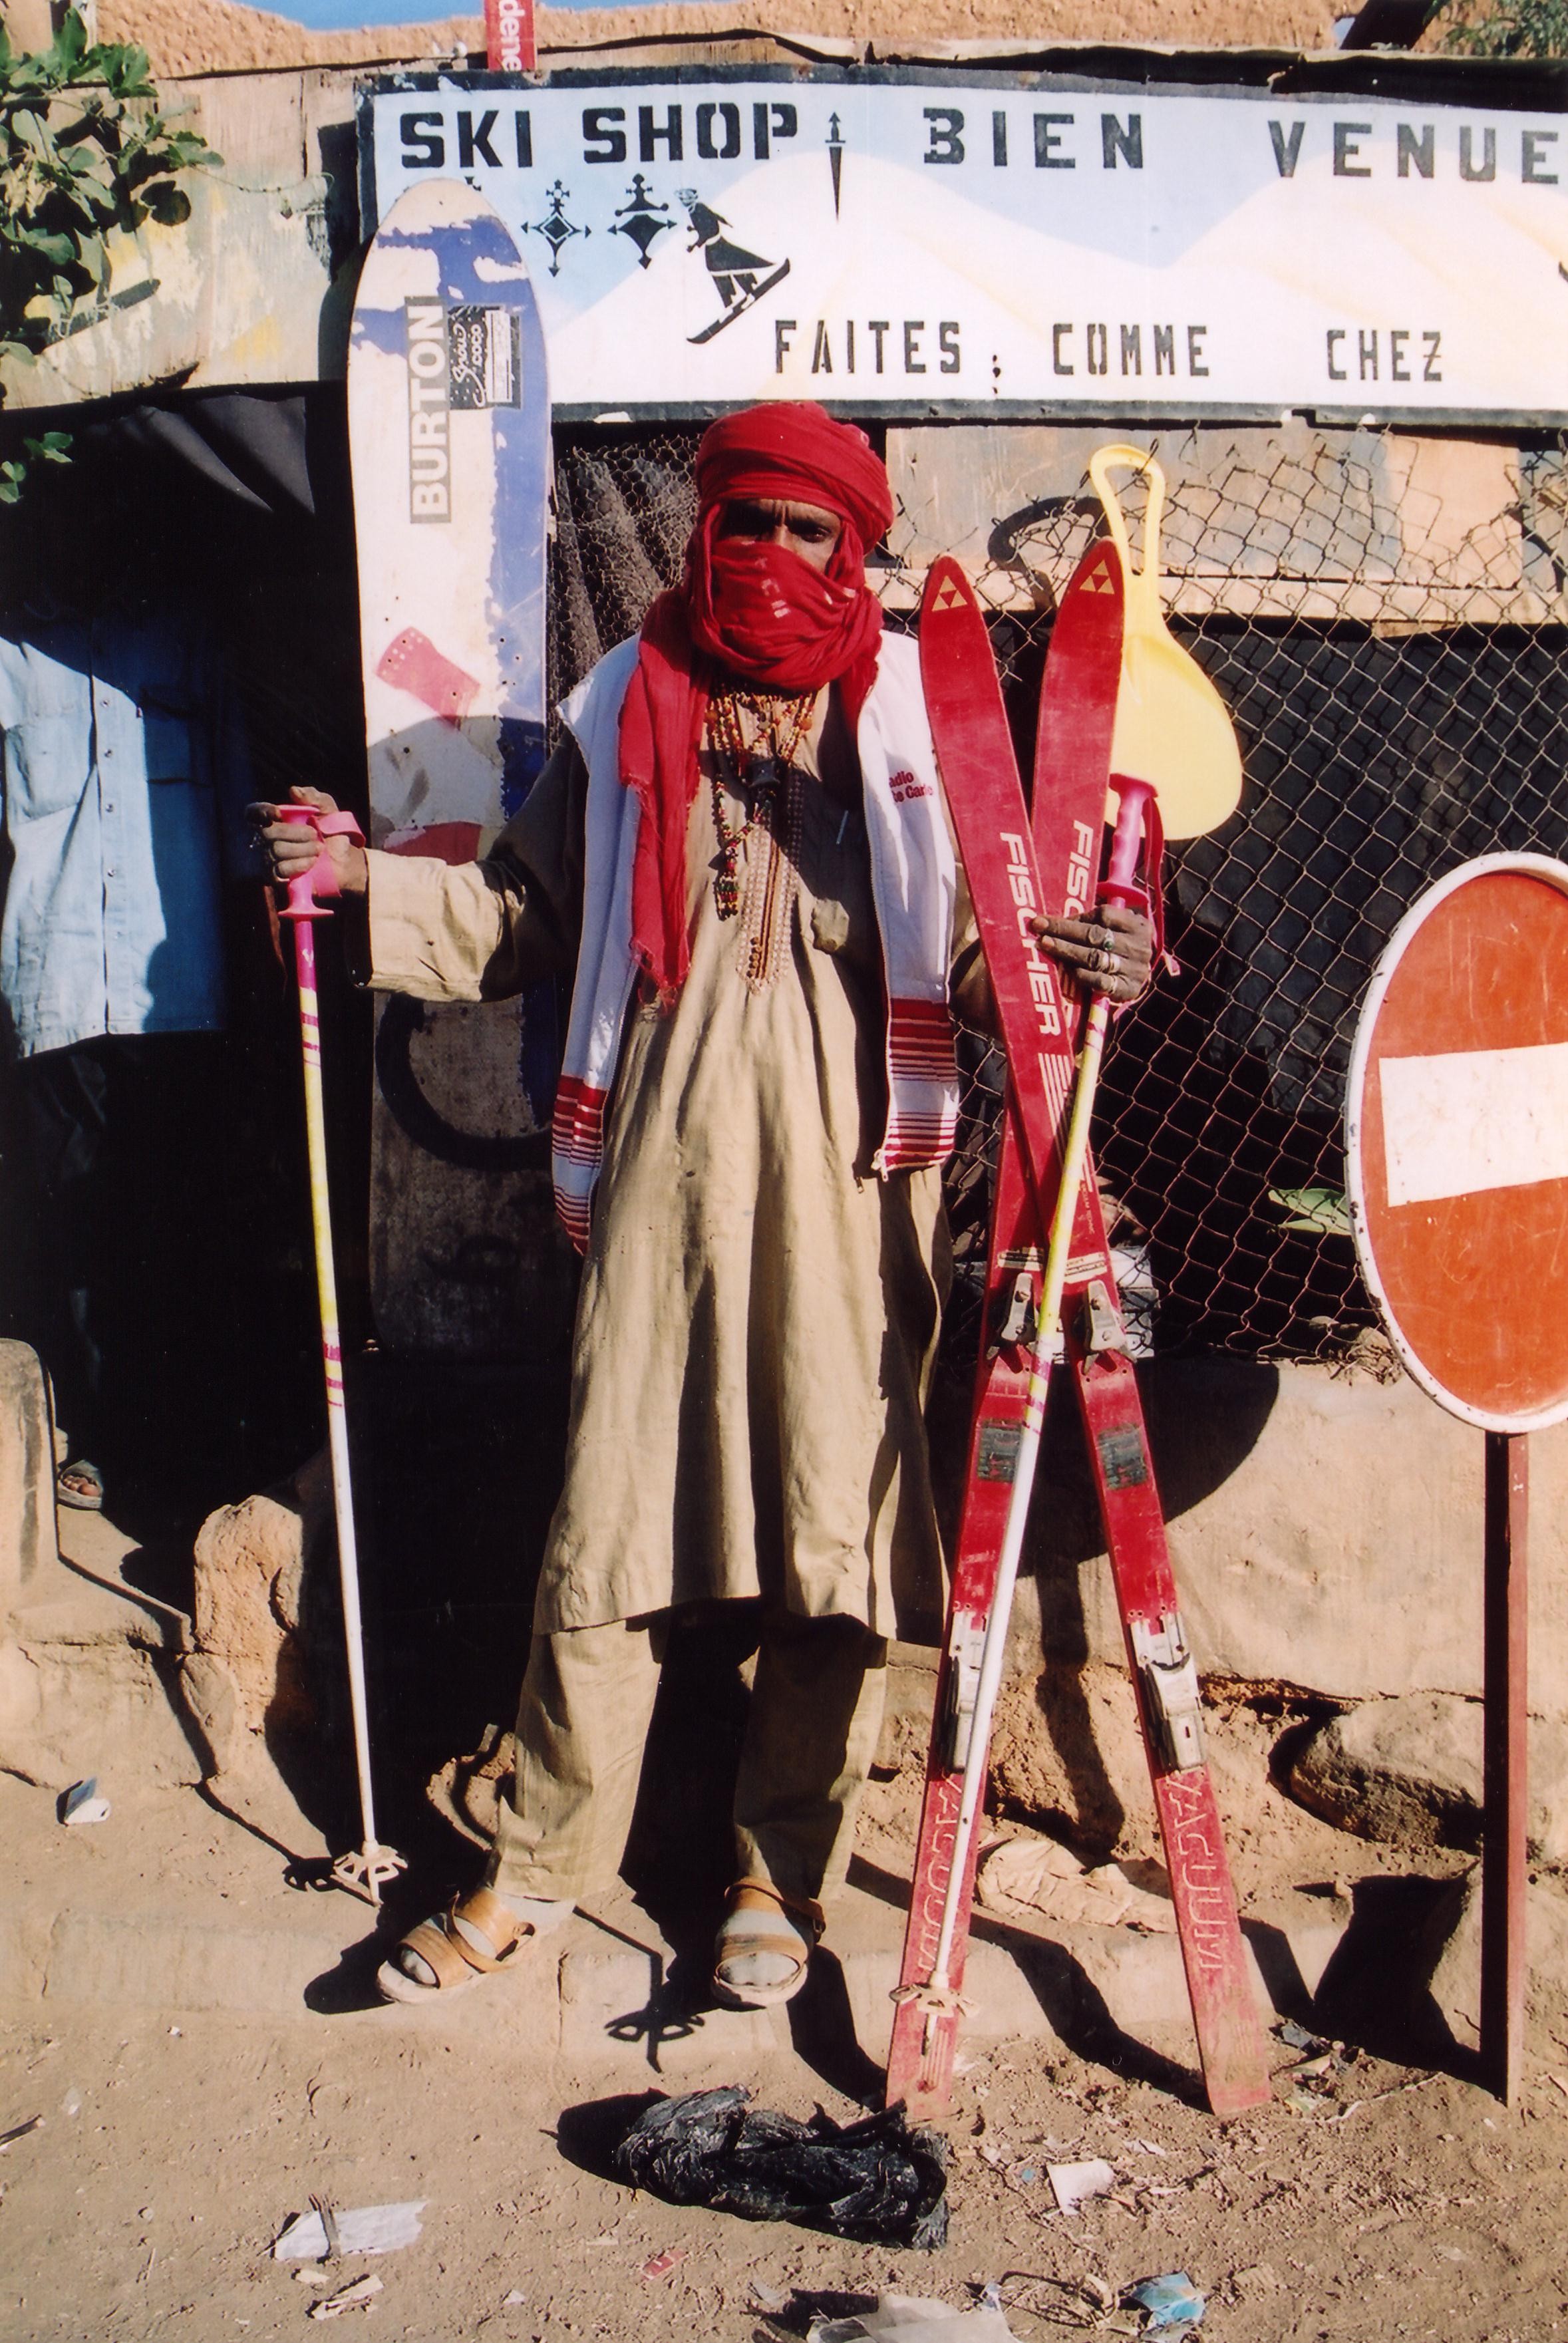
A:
[(1456, 1133)]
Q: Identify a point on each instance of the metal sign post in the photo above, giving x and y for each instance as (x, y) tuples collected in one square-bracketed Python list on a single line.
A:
[(1503, 1877), (1456, 1144)]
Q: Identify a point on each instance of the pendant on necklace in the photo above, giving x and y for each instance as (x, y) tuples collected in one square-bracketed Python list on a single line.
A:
[(763, 776), (727, 886)]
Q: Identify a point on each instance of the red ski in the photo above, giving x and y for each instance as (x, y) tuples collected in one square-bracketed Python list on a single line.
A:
[(1072, 760), (1078, 705)]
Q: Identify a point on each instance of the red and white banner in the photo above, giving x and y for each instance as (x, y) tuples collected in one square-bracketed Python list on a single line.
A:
[(510, 36)]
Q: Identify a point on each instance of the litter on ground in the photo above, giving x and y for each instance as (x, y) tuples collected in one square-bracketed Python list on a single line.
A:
[(81, 1803), (367, 2229), (359, 2295), (881, 2181), (1171, 2303), (915, 2318), (1073, 2185)]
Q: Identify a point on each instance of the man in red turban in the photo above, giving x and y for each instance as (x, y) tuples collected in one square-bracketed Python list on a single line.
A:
[(742, 848)]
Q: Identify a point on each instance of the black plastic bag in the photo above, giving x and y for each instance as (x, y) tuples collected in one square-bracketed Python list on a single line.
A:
[(879, 2181)]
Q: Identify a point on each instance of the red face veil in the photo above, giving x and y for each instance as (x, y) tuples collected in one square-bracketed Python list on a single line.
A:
[(754, 610)]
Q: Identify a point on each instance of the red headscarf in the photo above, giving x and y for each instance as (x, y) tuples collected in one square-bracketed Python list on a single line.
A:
[(757, 611)]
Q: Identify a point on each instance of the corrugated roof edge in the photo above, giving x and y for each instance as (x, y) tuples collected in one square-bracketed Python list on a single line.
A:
[(829, 49), (1507, 83), (1522, 85)]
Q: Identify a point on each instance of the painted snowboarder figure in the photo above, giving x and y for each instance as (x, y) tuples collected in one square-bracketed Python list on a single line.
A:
[(737, 273), (742, 846)]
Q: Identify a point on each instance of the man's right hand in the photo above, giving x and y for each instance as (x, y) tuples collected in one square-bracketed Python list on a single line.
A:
[(291, 848)]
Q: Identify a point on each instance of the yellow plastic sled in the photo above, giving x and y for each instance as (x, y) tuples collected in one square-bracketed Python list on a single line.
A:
[(1172, 726)]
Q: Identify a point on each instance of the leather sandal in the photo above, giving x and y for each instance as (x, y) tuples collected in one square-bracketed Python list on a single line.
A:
[(79, 1484), (744, 1934), (453, 1961)]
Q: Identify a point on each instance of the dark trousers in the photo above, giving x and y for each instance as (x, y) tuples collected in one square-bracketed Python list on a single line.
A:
[(121, 1202)]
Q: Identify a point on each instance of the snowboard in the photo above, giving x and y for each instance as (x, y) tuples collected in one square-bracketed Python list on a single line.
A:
[(449, 444)]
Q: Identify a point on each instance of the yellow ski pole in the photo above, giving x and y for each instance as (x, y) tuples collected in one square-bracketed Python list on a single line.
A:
[(365, 1871)]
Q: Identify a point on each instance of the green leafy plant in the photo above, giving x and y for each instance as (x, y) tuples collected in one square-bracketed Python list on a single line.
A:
[(1316, 1212), (1506, 28), (49, 447), (85, 152)]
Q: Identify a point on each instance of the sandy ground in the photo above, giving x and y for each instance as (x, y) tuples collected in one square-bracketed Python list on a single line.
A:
[(1380, 2199), (192, 37), (173, 2150)]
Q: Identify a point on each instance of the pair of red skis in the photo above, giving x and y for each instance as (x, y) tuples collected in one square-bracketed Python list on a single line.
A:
[(1017, 865)]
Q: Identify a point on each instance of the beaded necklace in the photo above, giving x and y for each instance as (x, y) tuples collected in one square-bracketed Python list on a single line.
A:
[(783, 721)]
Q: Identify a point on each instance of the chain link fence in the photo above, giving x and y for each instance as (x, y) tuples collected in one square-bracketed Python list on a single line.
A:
[(1386, 618)]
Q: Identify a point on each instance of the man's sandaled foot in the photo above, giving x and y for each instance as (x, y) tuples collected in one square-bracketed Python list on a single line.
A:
[(764, 1945), (80, 1484), (477, 1936)]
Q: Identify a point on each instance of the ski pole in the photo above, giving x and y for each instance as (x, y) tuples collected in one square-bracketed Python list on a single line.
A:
[(937, 1995), (366, 1870)]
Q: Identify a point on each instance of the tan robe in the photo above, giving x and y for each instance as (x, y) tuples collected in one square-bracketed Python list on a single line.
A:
[(760, 1309)]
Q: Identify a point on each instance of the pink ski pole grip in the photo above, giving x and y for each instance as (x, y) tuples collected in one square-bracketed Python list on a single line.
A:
[(1121, 880), (321, 879)]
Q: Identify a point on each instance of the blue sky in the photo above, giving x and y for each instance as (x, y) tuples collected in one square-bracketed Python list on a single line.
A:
[(330, 16)]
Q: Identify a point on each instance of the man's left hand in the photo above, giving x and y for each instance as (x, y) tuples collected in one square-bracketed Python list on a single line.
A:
[(1111, 954)]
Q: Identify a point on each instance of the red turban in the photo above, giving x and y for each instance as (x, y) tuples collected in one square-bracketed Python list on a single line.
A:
[(757, 611), (801, 454)]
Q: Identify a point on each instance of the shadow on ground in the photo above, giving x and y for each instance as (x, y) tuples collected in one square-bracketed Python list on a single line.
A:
[(1069, 1999)]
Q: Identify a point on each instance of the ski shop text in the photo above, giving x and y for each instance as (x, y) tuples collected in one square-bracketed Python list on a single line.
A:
[(863, 346), (1042, 985), (429, 411), (1019, 137), (494, 138)]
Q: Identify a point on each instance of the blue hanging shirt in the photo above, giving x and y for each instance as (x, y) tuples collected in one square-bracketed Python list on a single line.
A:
[(122, 784)]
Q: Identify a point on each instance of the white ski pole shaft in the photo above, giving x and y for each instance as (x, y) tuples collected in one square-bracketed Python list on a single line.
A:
[(375, 1864)]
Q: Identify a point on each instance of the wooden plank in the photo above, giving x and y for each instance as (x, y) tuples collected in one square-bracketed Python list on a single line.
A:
[(234, 295), (255, 121), (1287, 522)]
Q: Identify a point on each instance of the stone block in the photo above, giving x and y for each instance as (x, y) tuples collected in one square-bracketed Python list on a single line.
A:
[(28, 1553), (87, 1664), (246, 1683), (1446, 1978), (1411, 1772), (69, 1708), (156, 1960), (246, 1614)]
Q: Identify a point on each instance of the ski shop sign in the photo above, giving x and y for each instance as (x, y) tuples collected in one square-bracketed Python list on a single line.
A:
[(951, 246)]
